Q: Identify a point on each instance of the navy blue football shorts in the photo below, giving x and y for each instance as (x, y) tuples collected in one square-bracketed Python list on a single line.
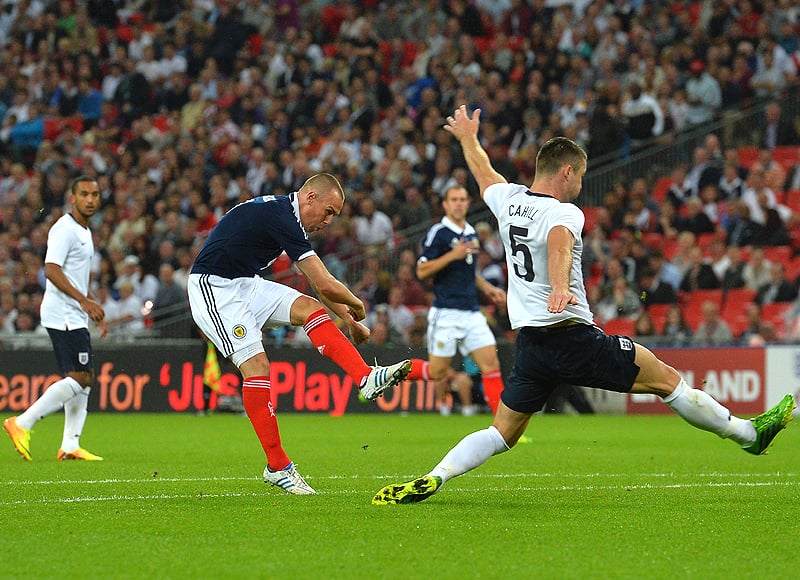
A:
[(578, 355), (73, 349)]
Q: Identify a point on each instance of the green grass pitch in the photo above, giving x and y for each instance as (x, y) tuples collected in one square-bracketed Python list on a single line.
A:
[(180, 496)]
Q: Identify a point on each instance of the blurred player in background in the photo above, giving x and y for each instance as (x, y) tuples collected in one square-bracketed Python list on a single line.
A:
[(455, 321), (66, 309)]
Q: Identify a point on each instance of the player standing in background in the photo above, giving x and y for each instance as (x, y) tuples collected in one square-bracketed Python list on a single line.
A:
[(558, 342), (231, 303), (67, 306), (455, 321)]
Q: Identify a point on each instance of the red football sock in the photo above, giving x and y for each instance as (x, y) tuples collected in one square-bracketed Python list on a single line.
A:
[(258, 406), (492, 388), (419, 370), (331, 343)]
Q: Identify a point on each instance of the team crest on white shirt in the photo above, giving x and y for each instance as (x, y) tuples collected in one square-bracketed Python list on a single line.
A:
[(239, 331)]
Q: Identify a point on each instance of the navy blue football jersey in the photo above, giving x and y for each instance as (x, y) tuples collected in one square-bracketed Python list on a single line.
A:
[(251, 236), (454, 285)]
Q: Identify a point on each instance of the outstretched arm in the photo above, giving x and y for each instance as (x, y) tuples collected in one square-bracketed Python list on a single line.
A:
[(465, 129)]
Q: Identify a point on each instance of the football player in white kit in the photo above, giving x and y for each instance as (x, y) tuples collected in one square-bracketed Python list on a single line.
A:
[(558, 342), (231, 302), (66, 309)]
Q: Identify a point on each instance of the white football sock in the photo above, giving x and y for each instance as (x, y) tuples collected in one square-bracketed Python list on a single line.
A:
[(51, 401), (700, 409), (472, 451), (74, 418)]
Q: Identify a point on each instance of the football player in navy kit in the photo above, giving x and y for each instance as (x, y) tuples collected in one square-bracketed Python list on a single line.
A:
[(231, 302), (558, 342), (66, 309), (455, 320)]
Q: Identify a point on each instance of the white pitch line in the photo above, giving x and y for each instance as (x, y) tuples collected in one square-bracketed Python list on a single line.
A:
[(563, 488), (156, 479)]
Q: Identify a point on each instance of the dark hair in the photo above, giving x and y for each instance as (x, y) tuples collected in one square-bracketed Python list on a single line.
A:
[(73, 186), (558, 151)]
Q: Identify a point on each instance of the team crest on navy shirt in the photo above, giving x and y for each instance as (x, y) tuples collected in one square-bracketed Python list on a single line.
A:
[(624, 343), (239, 331), (83, 358)]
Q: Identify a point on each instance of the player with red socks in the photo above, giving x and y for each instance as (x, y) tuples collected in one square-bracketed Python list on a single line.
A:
[(455, 320), (231, 303)]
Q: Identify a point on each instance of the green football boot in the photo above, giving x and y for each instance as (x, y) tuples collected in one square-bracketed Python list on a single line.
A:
[(769, 424)]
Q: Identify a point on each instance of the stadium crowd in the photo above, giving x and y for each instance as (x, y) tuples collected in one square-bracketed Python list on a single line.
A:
[(183, 109)]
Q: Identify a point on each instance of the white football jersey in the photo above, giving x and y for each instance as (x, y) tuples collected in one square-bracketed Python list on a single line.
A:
[(70, 246), (525, 219)]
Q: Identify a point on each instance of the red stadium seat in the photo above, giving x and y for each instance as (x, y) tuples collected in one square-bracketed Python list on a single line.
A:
[(653, 239), (658, 312), (661, 188), (748, 156), (786, 156), (622, 326), (590, 218), (782, 254), (736, 301)]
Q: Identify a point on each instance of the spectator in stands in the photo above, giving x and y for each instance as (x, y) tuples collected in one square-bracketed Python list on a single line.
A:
[(676, 331), (757, 271), (413, 292), (752, 314), (643, 116), (696, 219), (774, 172), (769, 81), (653, 290), (733, 276), (664, 270), (373, 228), (681, 186), (713, 330), (730, 184), (380, 336), (490, 241), (776, 130), (752, 196), (644, 327), (129, 311), (170, 301), (739, 228), (704, 171), (718, 258), (620, 302), (702, 93), (700, 275), (416, 211), (778, 289), (401, 318)]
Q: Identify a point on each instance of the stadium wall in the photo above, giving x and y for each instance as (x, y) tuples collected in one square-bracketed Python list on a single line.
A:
[(154, 379)]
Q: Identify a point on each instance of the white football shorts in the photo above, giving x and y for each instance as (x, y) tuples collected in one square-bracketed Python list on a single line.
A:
[(449, 329), (232, 313)]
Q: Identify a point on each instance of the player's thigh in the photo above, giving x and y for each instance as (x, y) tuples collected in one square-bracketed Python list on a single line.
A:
[(221, 308), (73, 350), (655, 376), (444, 332), (478, 339), (272, 303)]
